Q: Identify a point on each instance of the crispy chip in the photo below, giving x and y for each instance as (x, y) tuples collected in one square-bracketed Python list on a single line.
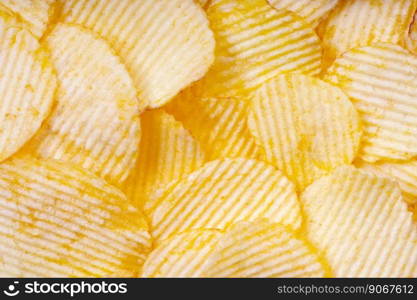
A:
[(223, 192), (27, 86), (411, 38), (362, 225), (167, 151), (60, 220), (380, 80), (306, 126), (312, 11), (355, 23), (96, 121), (166, 44), (262, 249), (255, 42), (182, 255)]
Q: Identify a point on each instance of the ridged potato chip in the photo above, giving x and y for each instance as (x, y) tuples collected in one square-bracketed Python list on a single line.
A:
[(313, 11), (27, 85), (95, 123), (355, 23), (182, 255), (255, 42), (362, 225), (166, 44), (58, 220), (306, 126), (262, 249), (380, 81), (223, 192), (167, 152)]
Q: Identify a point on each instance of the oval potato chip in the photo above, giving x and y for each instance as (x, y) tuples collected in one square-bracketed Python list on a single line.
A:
[(380, 81), (362, 225), (166, 44), (58, 220), (95, 123), (262, 249), (306, 126)]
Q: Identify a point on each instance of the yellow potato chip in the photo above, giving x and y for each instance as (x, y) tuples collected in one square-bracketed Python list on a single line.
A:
[(362, 225), (182, 255), (355, 23), (411, 38), (255, 42), (223, 192), (58, 220), (203, 3), (380, 80), (262, 249), (167, 151), (306, 126), (312, 11), (95, 123), (166, 44), (27, 86)]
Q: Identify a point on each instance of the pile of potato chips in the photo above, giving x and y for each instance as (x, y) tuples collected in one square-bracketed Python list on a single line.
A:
[(219, 138)]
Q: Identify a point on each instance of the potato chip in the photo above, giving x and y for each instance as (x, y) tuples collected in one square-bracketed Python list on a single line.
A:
[(355, 23), (306, 126), (380, 80), (362, 225), (255, 42), (58, 220), (182, 255), (166, 44), (411, 38), (167, 151), (95, 123), (312, 11), (223, 192), (27, 86), (203, 3), (262, 249)]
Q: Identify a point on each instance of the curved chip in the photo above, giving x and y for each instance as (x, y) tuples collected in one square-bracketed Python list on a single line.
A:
[(380, 80), (182, 255), (167, 151), (262, 249), (95, 123), (255, 42), (306, 126), (166, 44), (223, 192), (355, 23), (58, 220), (27, 86), (362, 225)]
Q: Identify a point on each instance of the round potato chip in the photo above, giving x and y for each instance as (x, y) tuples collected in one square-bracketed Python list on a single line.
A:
[(166, 44), (262, 249), (95, 123), (355, 23), (182, 255), (312, 11), (380, 80), (362, 225), (27, 85), (255, 42), (167, 151), (223, 192), (58, 220), (306, 126)]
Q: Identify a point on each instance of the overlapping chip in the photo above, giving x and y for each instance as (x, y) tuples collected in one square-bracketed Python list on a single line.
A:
[(306, 126), (165, 44), (380, 80), (263, 249), (223, 192), (361, 224), (58, 220), (167, 152), (95, 123)]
